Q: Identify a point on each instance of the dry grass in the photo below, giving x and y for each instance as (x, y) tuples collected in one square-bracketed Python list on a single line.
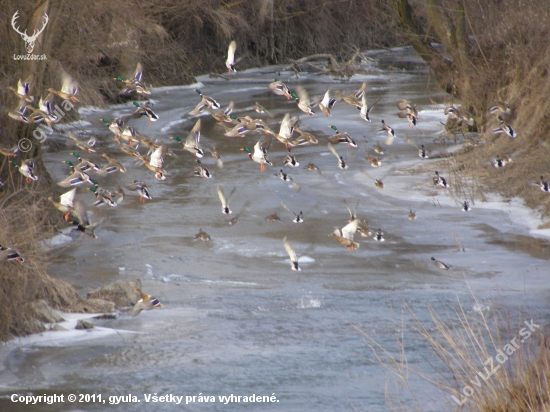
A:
[(25, 220), (463, 342)]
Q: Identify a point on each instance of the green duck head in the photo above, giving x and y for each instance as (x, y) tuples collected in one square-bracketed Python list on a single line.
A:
[(247, 150), (199, 162), (105, 120), (13, 162), (75, 154), (294, 96), (234, 116), (95, 182), (198, 92), (176, 138), (136, 104), (93, 189), (119, 79), (334, 128), (68, 163)]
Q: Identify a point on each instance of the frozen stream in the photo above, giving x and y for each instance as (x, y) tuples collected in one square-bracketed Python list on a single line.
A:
[(236, 319)]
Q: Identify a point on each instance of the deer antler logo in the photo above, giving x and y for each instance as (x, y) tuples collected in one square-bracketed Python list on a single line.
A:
[(29, 40)]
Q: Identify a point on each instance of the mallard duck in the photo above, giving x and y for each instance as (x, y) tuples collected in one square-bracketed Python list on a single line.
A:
[(411, 215), (311, 167), (466, 206), (121, 195), (34, 116), (423, 153), (327, 103), (126, 149), (9, 152), (504, 128), (66, 203), (388, 130), (7, 254), (216, 155), (408, 111), (379, 236), (363, 229), (202, 235), (225, 202), (151, 144), (461, 116), (290, 160), (201, 171), (364, 109), (345, 235), (23, 89), (235, 218), (114, 125), (144, 109), (500, 108), (246, 125), (141, 189), (286, 178), (132, 136), (155, 162), (274, 218), (26, 169), (280, 89), (440, 181), (81, 145), (298, 217), (230, 62), (71, 165), (339, 137), (291, 254), (146, 302), (206, 101), (501, 161), (373, 160), (283, 176), (44, 113), (113, 166), (440, 264), (88, 229), (224, 116), (544, 186), (84, 164), (77, 178), (355, 98), (69, 88), (305, 138), (377, 182), (135, 84), (352, 214), (103, 197), (260, 153), (192, 143), (302, 100), (378, 149), (286, 130), (341, 163), (259, 108)]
